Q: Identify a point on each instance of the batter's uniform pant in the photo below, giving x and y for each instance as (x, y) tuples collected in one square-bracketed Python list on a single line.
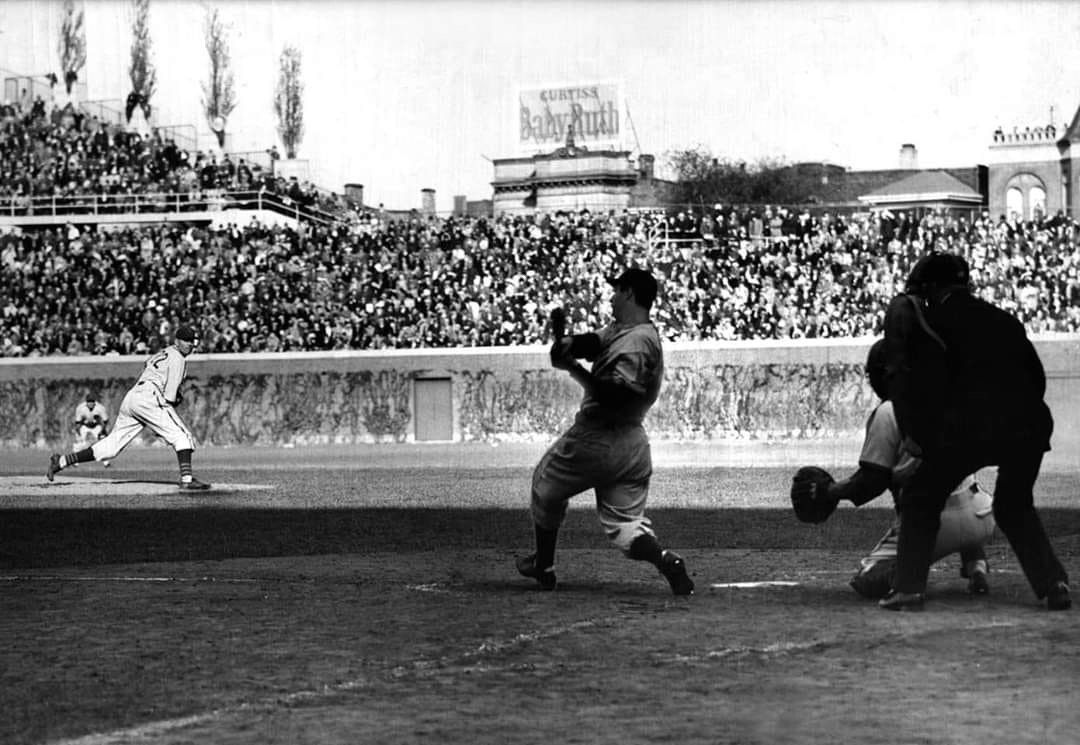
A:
[(144, 406), (615, 461), (922, 500)]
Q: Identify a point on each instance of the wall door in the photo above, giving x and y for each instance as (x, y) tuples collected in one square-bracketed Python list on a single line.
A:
[(433, 411)]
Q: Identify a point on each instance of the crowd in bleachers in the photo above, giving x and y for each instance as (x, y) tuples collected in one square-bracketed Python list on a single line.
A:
[(462, 281), (60, 157), (373, 283)]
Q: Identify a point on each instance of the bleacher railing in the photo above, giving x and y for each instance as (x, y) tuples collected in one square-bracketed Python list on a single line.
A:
[(260, 158), (163, 203), (184, 135), (108, 110), (34, 86)]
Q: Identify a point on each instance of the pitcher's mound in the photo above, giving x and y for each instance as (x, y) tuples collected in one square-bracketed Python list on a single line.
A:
[(67, 491)]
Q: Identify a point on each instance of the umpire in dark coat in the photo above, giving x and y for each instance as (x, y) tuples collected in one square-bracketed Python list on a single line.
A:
[(967, 386)]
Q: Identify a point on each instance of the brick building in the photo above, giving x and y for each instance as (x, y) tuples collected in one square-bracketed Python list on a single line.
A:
[(574, 178), (1031, 171), (1028, 172)]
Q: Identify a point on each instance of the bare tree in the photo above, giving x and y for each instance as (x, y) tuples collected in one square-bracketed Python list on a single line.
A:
[(72, 46), (219, 92), (289, 101), (701, 179), (142, 73)]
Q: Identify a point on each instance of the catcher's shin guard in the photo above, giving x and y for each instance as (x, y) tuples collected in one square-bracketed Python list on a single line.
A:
[(875, 575)]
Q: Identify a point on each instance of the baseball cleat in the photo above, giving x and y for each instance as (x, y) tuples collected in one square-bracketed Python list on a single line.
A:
[(977, 576), (1058, 597), (902, 601), (673, 568), (526, 566), (106, 463), (978, 584), (54, 466), (194, 485)]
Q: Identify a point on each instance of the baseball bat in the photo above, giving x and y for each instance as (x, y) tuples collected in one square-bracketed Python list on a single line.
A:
[(558, 322)]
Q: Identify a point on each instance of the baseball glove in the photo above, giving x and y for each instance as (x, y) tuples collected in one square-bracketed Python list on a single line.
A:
[(810, 496)]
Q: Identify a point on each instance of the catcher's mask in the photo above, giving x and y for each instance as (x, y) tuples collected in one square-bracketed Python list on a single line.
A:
[(875, 368)]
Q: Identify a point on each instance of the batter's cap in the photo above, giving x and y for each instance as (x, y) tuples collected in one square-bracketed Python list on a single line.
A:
[(642, 282), (188, 334)]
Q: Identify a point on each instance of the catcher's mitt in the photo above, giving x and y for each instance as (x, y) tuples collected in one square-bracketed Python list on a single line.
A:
[(809, 494)]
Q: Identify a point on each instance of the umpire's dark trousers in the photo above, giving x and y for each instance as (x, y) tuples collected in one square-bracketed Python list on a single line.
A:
[(924, 497)]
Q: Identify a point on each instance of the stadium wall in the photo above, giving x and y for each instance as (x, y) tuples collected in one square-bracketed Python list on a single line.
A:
[(767, 390)]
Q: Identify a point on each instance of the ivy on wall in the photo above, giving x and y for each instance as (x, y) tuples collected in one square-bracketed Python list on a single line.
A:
[(718, 401)]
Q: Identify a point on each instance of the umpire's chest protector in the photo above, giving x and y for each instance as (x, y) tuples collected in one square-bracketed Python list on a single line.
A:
[(994, 380)]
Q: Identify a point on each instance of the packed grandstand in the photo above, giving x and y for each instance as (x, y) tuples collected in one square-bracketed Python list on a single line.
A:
[(360, 279)]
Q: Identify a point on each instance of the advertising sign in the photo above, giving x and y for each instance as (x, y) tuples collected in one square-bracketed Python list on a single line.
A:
[(595, 111)]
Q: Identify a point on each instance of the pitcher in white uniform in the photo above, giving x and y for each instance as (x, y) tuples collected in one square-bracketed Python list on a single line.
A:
[(150, 403)]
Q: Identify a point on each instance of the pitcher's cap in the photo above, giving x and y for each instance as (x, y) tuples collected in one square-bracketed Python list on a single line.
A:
[(186, 333)]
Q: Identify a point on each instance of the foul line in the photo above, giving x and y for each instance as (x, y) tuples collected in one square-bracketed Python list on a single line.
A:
[(820, 645), (769, 649), (415, 667), (75, 578)]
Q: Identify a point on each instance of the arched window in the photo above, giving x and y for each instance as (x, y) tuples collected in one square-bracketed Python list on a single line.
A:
[(1014, 203), (1037, 203)]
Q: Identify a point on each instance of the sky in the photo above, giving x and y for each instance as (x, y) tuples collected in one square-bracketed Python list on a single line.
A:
[(414, 94)]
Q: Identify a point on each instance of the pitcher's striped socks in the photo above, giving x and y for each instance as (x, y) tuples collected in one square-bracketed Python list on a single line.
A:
[(184, 458), (82, 456)]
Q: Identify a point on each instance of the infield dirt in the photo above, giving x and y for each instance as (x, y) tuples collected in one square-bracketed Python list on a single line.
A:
[(341, 619)]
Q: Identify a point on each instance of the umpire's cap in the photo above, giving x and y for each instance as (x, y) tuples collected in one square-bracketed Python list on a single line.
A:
[(188, 334), (641, 282), (938, 270)]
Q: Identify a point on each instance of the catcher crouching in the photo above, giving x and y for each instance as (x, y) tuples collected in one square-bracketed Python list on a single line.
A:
[(967, 522)]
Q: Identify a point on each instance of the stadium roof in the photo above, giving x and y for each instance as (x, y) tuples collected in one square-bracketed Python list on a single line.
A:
[(924, 186)]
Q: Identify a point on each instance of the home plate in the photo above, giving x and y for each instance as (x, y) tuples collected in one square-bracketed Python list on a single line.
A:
[(744, 585)]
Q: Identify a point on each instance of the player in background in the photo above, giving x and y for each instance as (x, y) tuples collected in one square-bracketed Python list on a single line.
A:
[(91, 423), (149, 403), (884, 463), (606, 449)]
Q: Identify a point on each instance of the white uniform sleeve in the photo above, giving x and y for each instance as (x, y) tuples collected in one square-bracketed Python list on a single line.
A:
[(175, 369), (882, 444)]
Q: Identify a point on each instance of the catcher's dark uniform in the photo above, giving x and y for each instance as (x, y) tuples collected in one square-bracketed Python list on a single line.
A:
[(967, 386)]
